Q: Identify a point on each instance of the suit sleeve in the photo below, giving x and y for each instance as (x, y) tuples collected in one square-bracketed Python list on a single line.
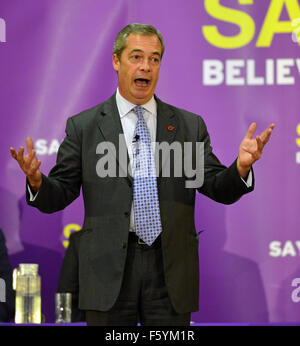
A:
[(222, 184), (63, 183)]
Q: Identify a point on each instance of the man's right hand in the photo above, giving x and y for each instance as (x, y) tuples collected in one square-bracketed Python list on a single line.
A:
[(29, 164)]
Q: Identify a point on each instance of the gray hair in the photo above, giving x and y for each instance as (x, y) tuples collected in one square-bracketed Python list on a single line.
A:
[(139, 29)]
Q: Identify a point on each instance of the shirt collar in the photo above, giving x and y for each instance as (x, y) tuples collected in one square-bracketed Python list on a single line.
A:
[(124, 106)]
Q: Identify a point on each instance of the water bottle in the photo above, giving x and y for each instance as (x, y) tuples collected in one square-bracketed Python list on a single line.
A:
[(27, 284)]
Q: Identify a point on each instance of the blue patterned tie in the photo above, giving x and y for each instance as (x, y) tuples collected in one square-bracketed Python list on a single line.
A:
[(145, 196)]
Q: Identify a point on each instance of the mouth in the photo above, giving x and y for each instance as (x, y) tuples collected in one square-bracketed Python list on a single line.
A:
[(142, 82)]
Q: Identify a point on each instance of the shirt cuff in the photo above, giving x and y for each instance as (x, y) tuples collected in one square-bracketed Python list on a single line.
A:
[(31, 196), (249, 180)]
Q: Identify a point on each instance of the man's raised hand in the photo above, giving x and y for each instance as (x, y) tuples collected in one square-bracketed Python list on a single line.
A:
[(29, 164), (251, 149)]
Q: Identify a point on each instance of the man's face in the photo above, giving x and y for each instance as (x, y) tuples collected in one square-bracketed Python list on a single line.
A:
[(138, 68)]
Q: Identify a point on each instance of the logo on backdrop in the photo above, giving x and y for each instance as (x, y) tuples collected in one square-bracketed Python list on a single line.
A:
[(44, 147), (296, 292), (2, 30), (298, 144), (296, 31), (67, 231), (2, 291), (239, 72), (288, 248)]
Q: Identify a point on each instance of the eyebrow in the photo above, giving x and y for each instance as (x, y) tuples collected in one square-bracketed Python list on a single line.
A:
[(140, 50)]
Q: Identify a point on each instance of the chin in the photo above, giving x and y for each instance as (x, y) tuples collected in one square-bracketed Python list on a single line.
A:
[(143, 95)]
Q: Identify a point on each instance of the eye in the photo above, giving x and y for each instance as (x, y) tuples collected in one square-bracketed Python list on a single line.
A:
[(155, 60), (135, 57)]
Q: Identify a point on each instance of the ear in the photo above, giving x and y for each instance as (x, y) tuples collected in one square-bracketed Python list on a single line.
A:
[(115, 62)]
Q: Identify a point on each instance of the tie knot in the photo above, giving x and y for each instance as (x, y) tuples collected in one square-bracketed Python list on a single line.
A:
[(139, 110)]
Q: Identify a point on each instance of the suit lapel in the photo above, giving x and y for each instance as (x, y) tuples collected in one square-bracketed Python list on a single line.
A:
[(109, 123), (167, 126)]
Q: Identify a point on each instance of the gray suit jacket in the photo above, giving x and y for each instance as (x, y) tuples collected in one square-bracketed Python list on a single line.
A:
[(108, 200)]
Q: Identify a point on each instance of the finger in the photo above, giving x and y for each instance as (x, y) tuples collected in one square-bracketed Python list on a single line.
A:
[(251, 131), (260, 144), (20, 157), (29, 160), (34, 160), (29, 144), (265, 136), (13, 153), (272, 126), (32, 170), (38, 164)]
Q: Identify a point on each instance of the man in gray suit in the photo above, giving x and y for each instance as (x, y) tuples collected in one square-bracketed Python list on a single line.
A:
[(122, 278)]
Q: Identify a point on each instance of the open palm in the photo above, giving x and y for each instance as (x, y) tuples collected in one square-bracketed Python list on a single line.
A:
[(251, 149)]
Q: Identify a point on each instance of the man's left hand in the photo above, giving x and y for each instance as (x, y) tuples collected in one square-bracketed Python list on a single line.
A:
[(251, 149)]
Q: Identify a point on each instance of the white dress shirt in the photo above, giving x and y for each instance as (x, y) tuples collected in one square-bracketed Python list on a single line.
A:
[(128, 121)]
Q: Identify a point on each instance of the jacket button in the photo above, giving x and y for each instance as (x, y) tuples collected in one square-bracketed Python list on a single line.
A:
[(127, 213), (124, 245)]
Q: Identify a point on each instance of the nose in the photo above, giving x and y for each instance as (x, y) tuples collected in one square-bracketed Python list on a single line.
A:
[(145, 66)]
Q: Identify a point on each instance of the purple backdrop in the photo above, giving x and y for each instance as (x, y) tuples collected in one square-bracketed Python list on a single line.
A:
[(55, 61)]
